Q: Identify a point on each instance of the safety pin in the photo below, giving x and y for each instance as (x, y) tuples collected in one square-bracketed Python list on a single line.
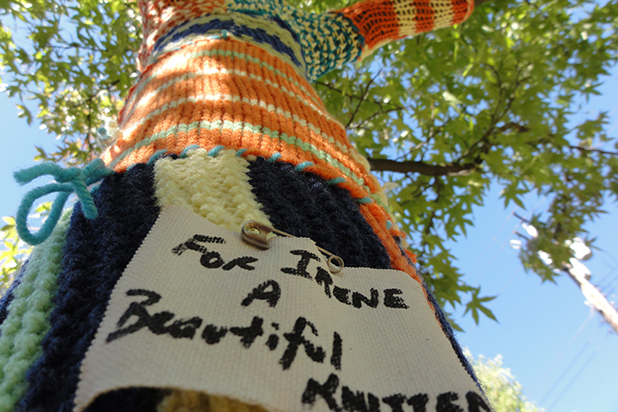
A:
[(255, 233)]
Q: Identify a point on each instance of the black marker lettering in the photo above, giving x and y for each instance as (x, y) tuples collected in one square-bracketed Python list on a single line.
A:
[(184, 328), (192, 245), (358, 299), (211, 334), (326, 391), (419, 402), (211, 260), (272, 342), (249, 333), (355, 401), (242, 262), (445, 403), (301, 267), (156, 323), (270, 291), (476, 402), (323, 278), (395, 401), (295, 339), (392, 301), (342, 295), (137, 309), (335, 358)]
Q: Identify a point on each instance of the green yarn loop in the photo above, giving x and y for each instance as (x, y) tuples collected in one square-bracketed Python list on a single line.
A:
[(68, 180)]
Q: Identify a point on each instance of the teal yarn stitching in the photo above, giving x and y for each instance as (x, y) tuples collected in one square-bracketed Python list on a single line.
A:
[(240, 152), (68, 180), (301, 166), (215, 151), (274, 158), (363, 200), (156, 156), (185, 152), (335, 181)]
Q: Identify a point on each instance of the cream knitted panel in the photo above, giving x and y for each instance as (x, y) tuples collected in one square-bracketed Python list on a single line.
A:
[(192, 401), (216, 188)]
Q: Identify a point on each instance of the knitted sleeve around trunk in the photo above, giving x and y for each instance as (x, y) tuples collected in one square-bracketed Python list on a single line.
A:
[(381, 21), (332, 39)]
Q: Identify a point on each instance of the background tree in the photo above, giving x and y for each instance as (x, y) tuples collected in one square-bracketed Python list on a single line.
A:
[(500, 386), (441, 116)]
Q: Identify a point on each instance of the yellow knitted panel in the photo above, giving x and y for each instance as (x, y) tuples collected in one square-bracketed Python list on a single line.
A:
[(216, 188), (191, 401)]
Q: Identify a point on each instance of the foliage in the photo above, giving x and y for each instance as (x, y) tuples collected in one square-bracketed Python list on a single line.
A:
[(14, 252), (502, 390), (441, 116)]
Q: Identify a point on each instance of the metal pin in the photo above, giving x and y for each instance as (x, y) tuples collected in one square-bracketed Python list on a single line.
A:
[(255, 233)]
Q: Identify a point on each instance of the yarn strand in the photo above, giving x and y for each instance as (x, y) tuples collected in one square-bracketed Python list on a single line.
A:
[(68, 180)]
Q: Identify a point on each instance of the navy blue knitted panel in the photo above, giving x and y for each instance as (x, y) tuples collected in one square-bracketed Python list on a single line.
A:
[(258, 35), (303, 205), (448, 331), (96, 253)]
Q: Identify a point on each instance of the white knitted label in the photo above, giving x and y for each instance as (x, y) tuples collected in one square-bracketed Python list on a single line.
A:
[(199, 309)]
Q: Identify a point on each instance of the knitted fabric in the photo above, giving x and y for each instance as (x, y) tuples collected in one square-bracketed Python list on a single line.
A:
[(27, 318), (96, 253), (236, 74), (231, 78), (217, 188), (191, 401)]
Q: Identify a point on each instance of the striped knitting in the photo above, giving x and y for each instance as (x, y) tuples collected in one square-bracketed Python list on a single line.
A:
[(236, 74), (223, 121)]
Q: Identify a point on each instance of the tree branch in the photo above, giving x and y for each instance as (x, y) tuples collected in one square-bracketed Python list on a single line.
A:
[(450, 169), (365, 93), (585, 149)]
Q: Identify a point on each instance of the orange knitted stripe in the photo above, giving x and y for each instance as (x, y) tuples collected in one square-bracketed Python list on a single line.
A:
[(160, 16), (462, 9), (377, 21), (257, 144), (238, 112), (424, 16), (187, 65), (210, 110)]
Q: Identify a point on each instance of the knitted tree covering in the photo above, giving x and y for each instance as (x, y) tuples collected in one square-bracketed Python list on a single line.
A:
[(223, 120)]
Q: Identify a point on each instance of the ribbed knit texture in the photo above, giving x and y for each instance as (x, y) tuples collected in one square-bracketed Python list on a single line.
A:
[(302, 204), (223, 120), (382, 21), (28, 316), (191, 401), (236, 74), (305, 205), (214, 187), (96, 253)]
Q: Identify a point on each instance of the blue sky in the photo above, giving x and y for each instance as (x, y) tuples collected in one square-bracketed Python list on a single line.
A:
[(560, 351)]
